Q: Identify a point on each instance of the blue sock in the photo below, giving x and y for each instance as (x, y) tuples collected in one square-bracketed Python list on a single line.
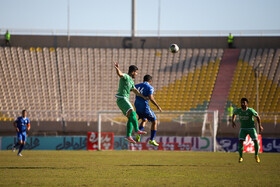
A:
[(16, 145), (20, 148), (141, 128), (153, 134)]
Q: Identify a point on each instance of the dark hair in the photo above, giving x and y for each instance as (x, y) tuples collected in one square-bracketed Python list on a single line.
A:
[(132, 68), (147, 78), (24, 111), (244, 99)]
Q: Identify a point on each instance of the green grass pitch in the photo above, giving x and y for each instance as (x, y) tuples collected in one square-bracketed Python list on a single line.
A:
[(137, 168)]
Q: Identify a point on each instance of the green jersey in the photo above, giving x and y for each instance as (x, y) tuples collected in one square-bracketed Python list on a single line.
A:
[(125, 85), (246, 117)]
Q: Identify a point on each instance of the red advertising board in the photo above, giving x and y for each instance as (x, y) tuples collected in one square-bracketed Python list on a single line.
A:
[(248, 145), (162, 146), (107, 141)]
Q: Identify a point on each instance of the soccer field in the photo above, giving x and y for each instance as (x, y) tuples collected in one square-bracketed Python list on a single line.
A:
[(137, 168)]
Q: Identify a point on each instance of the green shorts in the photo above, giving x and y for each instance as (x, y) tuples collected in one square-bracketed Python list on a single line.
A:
[(244, 131), (124, 105)]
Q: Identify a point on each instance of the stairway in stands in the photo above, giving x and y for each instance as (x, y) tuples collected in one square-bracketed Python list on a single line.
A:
[(224, 80)]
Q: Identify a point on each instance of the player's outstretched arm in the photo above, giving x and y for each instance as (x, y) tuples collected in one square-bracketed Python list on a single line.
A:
[(259, 123), (151, 97), (139, 94), (119, 73), (233, 121)]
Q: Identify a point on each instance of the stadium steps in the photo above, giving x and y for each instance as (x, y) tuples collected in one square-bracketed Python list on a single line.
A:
[(223, 82)]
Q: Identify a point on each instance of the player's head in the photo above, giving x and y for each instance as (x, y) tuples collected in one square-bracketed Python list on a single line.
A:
[(244, 103), (147, 78), (24, 113), (132, 71)]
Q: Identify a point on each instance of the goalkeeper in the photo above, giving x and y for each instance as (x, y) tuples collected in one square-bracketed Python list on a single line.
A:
[(247, 127), (126, 85)]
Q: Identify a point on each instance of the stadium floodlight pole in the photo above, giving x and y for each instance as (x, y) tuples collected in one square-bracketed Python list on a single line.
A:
[(133, 18), (159, 11), (68, 23), (257, 69)]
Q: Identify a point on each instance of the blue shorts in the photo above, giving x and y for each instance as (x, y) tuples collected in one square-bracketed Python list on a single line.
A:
[(21, 136), (146, 114)]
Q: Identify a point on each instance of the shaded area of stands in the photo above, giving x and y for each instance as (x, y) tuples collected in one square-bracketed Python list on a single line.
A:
[(266, 62)]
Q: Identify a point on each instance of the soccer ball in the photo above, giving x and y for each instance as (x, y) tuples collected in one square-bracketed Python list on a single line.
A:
[(174, 48)]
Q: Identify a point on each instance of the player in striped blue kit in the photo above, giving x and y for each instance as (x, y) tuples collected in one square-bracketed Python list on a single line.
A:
[(21, 124), (143, 109)]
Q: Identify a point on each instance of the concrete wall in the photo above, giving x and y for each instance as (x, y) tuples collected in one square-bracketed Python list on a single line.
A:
[(140, 42)]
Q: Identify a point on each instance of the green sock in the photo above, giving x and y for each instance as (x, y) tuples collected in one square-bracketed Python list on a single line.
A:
[(129, 128), (257, 147), (240, 149), (134, 121)]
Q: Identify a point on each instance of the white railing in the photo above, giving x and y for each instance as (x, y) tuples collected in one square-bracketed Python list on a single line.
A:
[(155, 33), (275, 117)]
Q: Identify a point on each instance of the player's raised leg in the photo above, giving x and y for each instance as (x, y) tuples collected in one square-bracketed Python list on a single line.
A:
[(132, 123), (126, 109), (141, 127), (131, 115)]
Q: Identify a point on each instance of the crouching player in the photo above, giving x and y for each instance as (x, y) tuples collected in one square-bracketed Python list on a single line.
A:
[(143, 109)]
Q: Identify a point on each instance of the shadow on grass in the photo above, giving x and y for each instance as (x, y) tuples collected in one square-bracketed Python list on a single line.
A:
[(38, 168), (154, 165)]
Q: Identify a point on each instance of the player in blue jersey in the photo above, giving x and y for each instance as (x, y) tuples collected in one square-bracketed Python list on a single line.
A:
[(21, 124), (143, 109)]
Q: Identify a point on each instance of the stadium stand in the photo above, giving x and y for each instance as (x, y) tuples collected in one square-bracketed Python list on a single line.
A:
[(266, 63), (80, 81), (192, 80), (72, 84)]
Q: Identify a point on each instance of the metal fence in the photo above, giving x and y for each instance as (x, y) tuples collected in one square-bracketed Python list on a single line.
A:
[(142, 33)]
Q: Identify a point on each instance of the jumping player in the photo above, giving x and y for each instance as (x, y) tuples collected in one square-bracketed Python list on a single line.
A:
[(126, 85), (143, 109), (247, 127), (21, 124)]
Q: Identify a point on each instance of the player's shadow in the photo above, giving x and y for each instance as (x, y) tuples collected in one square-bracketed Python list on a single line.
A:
[(152, 165), (28, 168), (38, 168)]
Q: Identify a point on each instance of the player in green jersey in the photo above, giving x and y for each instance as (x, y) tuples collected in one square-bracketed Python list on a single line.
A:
[(247, 127), (126, 85)]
